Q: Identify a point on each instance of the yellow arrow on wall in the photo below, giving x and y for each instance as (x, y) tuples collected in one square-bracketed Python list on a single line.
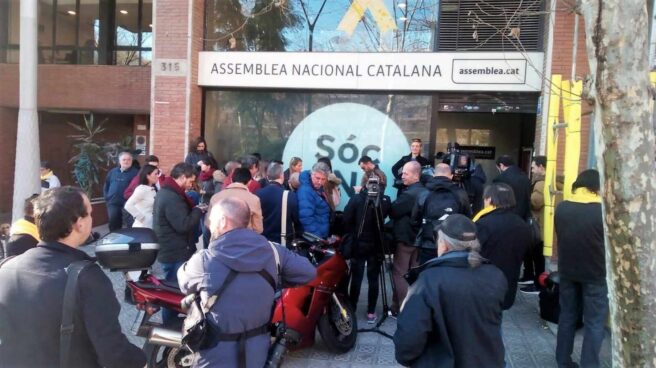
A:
[(356, 11)]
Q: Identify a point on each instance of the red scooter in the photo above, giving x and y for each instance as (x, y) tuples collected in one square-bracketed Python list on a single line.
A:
[(322, 304)]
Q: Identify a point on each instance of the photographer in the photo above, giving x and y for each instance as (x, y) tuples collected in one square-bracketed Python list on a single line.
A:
[(360, 220), (442, 198)]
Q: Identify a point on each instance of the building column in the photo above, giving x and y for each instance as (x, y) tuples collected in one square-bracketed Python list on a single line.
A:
[(176, 98), (26, 171)]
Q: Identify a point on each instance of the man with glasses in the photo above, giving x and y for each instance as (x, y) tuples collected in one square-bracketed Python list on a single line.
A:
[(313, 208), (117, 181)]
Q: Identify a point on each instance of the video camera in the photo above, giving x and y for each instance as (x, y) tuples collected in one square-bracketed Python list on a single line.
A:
[(373, 186), (462, 164)]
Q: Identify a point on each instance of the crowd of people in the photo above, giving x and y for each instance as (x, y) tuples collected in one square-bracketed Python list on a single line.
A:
[(457, 252)]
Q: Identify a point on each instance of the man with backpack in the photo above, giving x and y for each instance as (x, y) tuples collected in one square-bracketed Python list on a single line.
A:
[(240, 267), (442, 198), (34, 290)]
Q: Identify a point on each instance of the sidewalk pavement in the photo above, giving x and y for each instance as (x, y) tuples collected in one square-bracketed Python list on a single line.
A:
[(530, 342)]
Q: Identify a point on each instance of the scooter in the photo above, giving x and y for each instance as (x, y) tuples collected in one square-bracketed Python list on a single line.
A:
[(321, 304)]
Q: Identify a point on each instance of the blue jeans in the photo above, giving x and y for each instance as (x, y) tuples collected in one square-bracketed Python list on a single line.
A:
[(170, 317), (593, 297)]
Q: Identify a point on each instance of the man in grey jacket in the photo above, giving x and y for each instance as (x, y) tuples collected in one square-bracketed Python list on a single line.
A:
[(245, 304)]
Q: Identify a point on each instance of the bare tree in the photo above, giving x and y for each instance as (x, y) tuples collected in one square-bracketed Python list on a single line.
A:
[(617, 46)]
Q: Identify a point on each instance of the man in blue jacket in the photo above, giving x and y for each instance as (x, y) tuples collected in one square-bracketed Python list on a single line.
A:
[(314, 211), (271, 197), (116, 182), (245, 304)]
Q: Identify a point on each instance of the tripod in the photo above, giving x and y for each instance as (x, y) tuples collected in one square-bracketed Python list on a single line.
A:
[(373, 202)]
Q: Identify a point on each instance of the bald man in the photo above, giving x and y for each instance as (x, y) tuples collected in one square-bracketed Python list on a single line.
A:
[(245, 304), (442, 198), (405, 233)]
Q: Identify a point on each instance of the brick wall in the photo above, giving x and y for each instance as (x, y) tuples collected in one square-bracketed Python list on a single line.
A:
[(8, 123), (97, 88), (562, 64), (83, 87), (171, 107)]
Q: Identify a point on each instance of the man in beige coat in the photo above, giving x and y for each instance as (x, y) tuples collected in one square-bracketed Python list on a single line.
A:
[(238, 189)]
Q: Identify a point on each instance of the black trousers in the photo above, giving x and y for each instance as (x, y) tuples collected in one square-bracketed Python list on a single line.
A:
[(115, 213), (534, 262), (373, 263)]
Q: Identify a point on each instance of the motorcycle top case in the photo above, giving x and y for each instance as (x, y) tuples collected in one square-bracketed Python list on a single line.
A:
[(128, 249)]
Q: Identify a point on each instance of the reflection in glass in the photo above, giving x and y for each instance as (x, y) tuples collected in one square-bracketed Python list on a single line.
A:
[(127, 57), (66, 15), (127, 23), (320, 25), (88, 32), (237, 123)]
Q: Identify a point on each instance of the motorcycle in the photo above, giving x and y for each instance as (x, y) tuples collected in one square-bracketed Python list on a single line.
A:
[(320, 304)]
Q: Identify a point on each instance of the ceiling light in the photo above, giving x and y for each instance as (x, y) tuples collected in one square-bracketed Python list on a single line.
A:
[(123, 11), (71, 12)]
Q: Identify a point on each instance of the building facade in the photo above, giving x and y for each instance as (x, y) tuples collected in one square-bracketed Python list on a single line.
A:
[(291, 78)]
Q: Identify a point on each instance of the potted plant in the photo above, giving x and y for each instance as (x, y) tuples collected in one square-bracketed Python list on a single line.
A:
[(91, 155)]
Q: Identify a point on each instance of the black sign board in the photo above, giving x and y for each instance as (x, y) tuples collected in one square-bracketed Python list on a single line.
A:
[(480, 152)]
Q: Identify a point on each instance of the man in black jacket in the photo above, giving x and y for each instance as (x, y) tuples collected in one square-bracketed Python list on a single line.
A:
[(32, 292), (405, 233), (360, 213), (512, 175), (442, 198), (175, 221), (503, 235), (414, 156), (452, 314), (582, 267), (271, 203)]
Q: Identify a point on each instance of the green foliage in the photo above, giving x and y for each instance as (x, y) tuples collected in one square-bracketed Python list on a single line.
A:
[(90, 156)]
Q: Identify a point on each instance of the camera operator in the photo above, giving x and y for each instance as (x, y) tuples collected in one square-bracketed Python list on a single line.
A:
[(405, 233), (467, 174), (360, 220), (415, 155), (372, 170), (442, 198)]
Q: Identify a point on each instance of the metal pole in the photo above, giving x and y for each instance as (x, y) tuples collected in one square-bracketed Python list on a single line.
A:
[(26, 171)]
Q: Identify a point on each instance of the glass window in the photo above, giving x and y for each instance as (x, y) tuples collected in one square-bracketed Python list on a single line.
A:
[(83, 31), (321, 25), (341, 126), (88, 32), (66, 30)]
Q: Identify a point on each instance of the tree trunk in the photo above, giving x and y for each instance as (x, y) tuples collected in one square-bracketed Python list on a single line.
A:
[(617, 45)]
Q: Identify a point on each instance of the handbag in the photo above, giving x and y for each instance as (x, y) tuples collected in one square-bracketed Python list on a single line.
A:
[(195, 328), (536, 234)]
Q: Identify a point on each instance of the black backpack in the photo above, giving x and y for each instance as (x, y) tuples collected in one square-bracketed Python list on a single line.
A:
[(438, 205)]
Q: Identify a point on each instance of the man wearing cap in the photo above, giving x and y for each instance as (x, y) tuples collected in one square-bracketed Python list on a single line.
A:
[(451, 316)]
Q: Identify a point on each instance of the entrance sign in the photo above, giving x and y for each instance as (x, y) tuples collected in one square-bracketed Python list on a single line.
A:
[(439, 71), (344, 132)]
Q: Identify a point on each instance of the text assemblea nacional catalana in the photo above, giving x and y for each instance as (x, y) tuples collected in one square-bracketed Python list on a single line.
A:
[(326, 70)]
